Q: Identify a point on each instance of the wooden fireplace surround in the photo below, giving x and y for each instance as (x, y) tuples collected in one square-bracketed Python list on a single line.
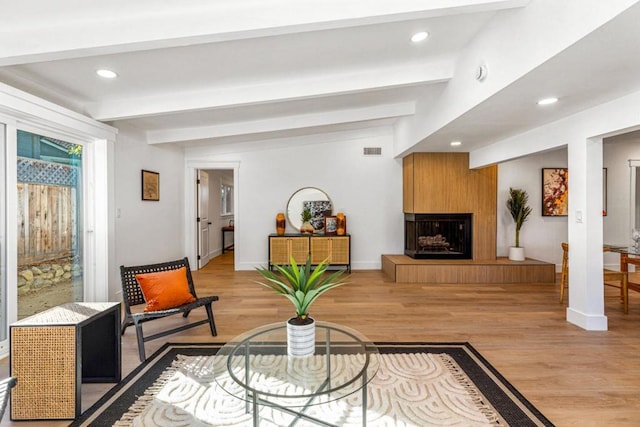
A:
[(443, 183)]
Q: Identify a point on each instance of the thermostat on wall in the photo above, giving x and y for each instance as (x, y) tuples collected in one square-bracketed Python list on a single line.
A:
[(481, 72)]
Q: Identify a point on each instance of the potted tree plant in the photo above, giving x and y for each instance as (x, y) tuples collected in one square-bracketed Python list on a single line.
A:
[(306, 226), (517, 206), (302, 285)]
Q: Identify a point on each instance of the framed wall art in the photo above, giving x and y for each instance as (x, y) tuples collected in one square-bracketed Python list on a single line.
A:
[(319, 209), (150, 185), (555, 192), (330, 225)]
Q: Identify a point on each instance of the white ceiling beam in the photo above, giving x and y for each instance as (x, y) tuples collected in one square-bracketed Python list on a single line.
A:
[(65, 29), (280, 91), (282, 123)]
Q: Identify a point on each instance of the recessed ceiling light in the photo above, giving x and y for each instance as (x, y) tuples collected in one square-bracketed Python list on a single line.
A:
[(418, 37), (455, 143), (547, 101), (107, 74)]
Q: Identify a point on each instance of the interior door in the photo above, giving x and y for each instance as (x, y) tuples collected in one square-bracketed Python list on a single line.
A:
[(204, 220)]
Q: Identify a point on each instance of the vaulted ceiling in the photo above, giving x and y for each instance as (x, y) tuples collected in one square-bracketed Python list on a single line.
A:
[(228, 71)]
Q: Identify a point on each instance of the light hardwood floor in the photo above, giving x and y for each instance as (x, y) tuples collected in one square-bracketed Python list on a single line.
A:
[(575, 377)]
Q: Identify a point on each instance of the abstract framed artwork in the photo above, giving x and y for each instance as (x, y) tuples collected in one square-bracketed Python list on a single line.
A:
[(150, 185), (555, 191), (319, 209)]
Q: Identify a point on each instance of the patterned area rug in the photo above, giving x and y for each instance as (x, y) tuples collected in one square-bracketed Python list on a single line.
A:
[(416, 385)]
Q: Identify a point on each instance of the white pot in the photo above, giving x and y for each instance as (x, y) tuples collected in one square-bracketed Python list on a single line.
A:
[(301, 339), (516, 254)]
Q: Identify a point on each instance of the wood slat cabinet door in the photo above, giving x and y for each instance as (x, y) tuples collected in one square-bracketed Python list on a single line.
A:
[(340, 250), (333, 248), (320, 249), (299, 248), (282, 248)]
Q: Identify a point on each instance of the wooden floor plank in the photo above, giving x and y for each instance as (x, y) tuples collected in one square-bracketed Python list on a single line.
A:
[(575, 377)]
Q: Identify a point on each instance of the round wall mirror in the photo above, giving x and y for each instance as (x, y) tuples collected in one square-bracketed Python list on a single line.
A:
[(313, 198)]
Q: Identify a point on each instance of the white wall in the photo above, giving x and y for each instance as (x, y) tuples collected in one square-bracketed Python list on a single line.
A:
[(612, 118), (355, 184), (367, 189), (540, 235), (146, 231)]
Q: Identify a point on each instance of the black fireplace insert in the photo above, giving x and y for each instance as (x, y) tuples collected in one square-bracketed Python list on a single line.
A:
[(438, 236)]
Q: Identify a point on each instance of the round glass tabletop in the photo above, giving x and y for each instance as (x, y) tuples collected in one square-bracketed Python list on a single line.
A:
[(255, 365)]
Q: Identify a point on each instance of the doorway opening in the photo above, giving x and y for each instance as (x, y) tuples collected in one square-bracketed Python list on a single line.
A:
[(215, 231)]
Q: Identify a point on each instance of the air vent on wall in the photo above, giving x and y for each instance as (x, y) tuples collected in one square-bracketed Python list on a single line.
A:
[(372, 151)]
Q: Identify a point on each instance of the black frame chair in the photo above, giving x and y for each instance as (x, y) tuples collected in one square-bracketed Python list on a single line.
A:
[(132, 296)]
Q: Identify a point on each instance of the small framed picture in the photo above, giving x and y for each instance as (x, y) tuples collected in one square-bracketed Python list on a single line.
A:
[(150, 186), (330, 225)]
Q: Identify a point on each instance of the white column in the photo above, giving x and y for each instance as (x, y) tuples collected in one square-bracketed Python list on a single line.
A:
[(586, 289)]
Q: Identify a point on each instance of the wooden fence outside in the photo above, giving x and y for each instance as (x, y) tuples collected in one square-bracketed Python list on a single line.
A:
[(46, 222)]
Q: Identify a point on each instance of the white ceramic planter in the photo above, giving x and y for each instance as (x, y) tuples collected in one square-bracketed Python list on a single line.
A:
[(516, 254), (301, 339)]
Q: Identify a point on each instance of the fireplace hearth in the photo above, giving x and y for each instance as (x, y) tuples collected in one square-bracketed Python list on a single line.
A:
[(438, 236)]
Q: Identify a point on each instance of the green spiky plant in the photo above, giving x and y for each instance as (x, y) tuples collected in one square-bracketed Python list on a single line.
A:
[(302, 285), (517, 206), (306, 226), (306, 215)]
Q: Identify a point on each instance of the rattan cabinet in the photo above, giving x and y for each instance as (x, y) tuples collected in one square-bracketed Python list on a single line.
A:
[(281, 248), (337, 249), (54, 351)]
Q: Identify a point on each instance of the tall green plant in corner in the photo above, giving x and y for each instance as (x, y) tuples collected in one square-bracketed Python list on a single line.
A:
[(517, 206)]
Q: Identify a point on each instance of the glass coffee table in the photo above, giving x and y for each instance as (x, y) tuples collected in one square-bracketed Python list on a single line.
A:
[(255, 367)]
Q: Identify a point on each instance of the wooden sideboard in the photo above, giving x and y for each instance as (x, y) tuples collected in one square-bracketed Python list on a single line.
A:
[(337, 249)]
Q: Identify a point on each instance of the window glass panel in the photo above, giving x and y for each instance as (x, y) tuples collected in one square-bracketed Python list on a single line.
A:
[(50, 263), (226, 192), (3, 242)]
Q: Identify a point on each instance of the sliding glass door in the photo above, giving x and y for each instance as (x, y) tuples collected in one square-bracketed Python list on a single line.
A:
[(50, 218), (3, 240)]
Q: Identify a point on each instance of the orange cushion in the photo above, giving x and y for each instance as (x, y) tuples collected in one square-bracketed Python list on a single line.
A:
[(165, 289)]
